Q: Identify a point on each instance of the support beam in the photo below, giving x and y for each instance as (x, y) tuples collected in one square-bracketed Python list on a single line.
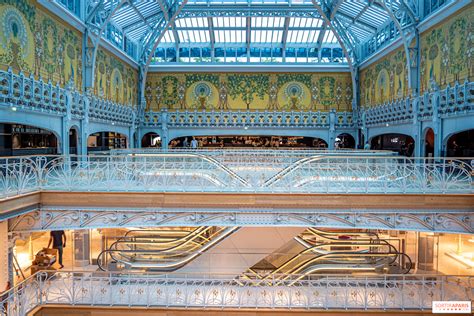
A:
[(449, 221), (248, 24), (153, 42), (212, 37), (96, 22), (324, 15), (319, 42), (284, 37), (173, 25), (406, 23), (5, 253), (140, 15)]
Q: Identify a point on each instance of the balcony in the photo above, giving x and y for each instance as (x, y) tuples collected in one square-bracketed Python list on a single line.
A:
[(258, 172), (445, 103), (324, 292), (22, 93)]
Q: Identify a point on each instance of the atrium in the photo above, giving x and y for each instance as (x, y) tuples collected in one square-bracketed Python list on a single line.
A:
[(236, 157)]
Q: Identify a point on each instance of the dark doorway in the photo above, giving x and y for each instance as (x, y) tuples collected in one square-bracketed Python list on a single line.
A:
[(429, 143), (401, 143), (20, 140), (461, 144)]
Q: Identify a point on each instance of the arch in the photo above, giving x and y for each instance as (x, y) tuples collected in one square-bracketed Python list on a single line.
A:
[(52, 124), (73, 134), (106, 140), (345, 140), (322, 134), (95, 127), (25, 139), (460, 144), (428, 142), (150, 139), (402, 143), (250, 141), (406, 129)]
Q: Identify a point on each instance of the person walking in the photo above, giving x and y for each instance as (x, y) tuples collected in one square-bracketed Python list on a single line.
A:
[(58, 238)]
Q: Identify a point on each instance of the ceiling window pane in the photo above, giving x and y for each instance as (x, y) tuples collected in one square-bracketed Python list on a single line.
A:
[(191, 22), (220, 36), (168, 37)]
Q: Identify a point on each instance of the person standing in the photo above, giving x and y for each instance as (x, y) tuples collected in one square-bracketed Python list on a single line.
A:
[(194, 143), (58, 238), (185, 143)]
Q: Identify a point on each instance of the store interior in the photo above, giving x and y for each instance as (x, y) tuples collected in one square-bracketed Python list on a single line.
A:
[(104, 249)]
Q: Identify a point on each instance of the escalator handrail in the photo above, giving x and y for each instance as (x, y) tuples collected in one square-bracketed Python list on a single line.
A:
[(223, 233)]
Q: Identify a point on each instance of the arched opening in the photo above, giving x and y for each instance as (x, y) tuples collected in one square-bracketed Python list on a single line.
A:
[(344, 141), (401, 143), (362, 141), (429, 143), (73, 141), (461, 144), (151, 139), (103, 141), (237, 141), (20, 139)]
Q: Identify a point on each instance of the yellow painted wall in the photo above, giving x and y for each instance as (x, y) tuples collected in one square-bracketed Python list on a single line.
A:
[(36, 42), (384, 80), (447, 51), (254, 91), (114, 79)]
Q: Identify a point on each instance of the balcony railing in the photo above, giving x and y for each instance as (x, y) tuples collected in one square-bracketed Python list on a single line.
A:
[(447, 102), (235, 172), (20, 92), (322, 292), (268, 119)]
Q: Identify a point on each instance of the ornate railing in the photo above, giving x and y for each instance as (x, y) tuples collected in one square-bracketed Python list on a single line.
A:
[(324, 292), (250, 119), (447, 102), (264, 173), (21, 92)]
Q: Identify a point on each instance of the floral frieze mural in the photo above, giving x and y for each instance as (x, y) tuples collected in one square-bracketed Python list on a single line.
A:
[(447, 59), (385, 80), (114, 79), (249, 91), (38, 44)]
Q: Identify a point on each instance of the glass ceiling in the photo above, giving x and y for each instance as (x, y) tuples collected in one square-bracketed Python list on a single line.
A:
[(248, 30)]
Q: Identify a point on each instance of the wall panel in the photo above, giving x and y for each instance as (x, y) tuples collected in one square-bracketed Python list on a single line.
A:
[(34, 41), (115, 80), (253, 91), (384, 80), (447, 51)]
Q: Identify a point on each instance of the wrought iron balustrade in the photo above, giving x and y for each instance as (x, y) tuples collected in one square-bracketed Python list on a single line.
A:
[(269, 119), (21, 92), (324, 292), (234, 172), (447, 102)]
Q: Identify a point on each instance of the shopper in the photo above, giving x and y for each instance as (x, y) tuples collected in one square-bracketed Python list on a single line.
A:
[(194, 143), (186, 143), (58, 238)]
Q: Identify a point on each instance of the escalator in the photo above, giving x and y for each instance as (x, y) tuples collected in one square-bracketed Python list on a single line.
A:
[(160, 250), (310, 171), (314, 252)]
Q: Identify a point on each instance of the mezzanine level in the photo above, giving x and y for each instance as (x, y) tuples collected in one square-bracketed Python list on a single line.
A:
[(321, 293), (237, 188), (265, 171)]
